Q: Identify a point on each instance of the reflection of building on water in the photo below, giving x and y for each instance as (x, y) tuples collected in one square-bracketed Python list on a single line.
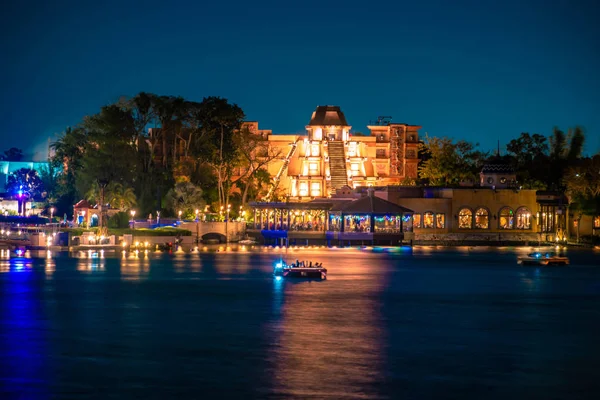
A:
[(323, 349)]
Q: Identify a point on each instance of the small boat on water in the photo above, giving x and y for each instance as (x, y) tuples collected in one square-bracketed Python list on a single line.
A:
[(544, 259), (300, 270)]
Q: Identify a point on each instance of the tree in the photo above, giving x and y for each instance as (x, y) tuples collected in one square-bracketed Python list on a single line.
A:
[(185, 197), (447, 163), (582, 183), (50, 182), (565, 150), (115, 194), (68, 160), (541, 162), (218, 121), (255, 154), (24, 184), (108, 152), (529, 155), (12, 154)]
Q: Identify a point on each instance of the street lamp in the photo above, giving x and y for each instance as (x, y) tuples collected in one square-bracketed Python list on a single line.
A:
[(132, 212), (179, 213), (197, 233), (51, 213), (227, 222)]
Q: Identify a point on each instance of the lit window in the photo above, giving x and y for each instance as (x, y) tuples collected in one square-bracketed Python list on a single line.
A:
[(597, 222), (352, 149), (465, 218), (314, 150), (428, 220), (416, 220), (318, 134), (440, 221), (313, 167), (506, 220), (303, 189), (315, 189), (482, 218), (354, 167), (523, 218)]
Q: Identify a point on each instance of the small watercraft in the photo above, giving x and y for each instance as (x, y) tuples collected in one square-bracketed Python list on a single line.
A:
[(300, 270), (541, 258)]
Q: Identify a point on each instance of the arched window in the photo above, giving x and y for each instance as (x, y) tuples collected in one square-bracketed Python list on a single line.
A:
[(506, 218), (523, 218), (482, 218), (440, 221), (465, 218), (416, 220), (428, 219)]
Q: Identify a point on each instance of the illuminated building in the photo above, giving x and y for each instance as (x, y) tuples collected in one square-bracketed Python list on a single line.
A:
[(328, 157)]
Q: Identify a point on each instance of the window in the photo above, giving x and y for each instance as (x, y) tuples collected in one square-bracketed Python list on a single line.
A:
[(352, 149), (303, 188), (428, 220), (318, 134), (597, 222), (465, 218), (523, 218), (314, 150), (440, 221), (315, 189), (313, 167), (506, 220), (482, 218), (416, 220), (355, 169)]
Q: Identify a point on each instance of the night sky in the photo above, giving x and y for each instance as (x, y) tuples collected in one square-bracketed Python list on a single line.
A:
[(477, 70)]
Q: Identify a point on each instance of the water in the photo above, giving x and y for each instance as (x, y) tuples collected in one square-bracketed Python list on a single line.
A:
[(428, 323)]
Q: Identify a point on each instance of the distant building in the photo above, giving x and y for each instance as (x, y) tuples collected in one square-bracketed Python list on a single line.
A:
[(328, 157)]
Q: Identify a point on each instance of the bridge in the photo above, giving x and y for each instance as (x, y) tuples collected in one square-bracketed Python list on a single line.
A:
[(205, 231)]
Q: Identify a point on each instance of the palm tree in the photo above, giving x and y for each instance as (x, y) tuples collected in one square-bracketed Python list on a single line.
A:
[(122, 197), (185, 197)]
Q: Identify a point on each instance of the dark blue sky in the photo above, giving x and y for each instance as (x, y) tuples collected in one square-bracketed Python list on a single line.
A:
[(479, 70)]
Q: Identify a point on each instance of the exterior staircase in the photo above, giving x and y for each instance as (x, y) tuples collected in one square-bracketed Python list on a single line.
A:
[(337, 165), (284, 166)]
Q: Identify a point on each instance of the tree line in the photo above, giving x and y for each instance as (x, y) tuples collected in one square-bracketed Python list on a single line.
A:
[(169, 154), (161, 153), (554, 163)]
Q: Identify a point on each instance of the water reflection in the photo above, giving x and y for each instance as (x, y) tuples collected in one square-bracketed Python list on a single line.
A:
[(24, 369), (329, 341), (386, 323)]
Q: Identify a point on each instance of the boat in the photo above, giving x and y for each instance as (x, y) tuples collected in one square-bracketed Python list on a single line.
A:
[(544, 259), (300, 270)]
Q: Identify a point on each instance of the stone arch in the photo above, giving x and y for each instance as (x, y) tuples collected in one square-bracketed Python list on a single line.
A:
[(212, 237)]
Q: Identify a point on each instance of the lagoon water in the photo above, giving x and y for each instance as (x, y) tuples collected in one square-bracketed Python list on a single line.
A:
[(388, 323)]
